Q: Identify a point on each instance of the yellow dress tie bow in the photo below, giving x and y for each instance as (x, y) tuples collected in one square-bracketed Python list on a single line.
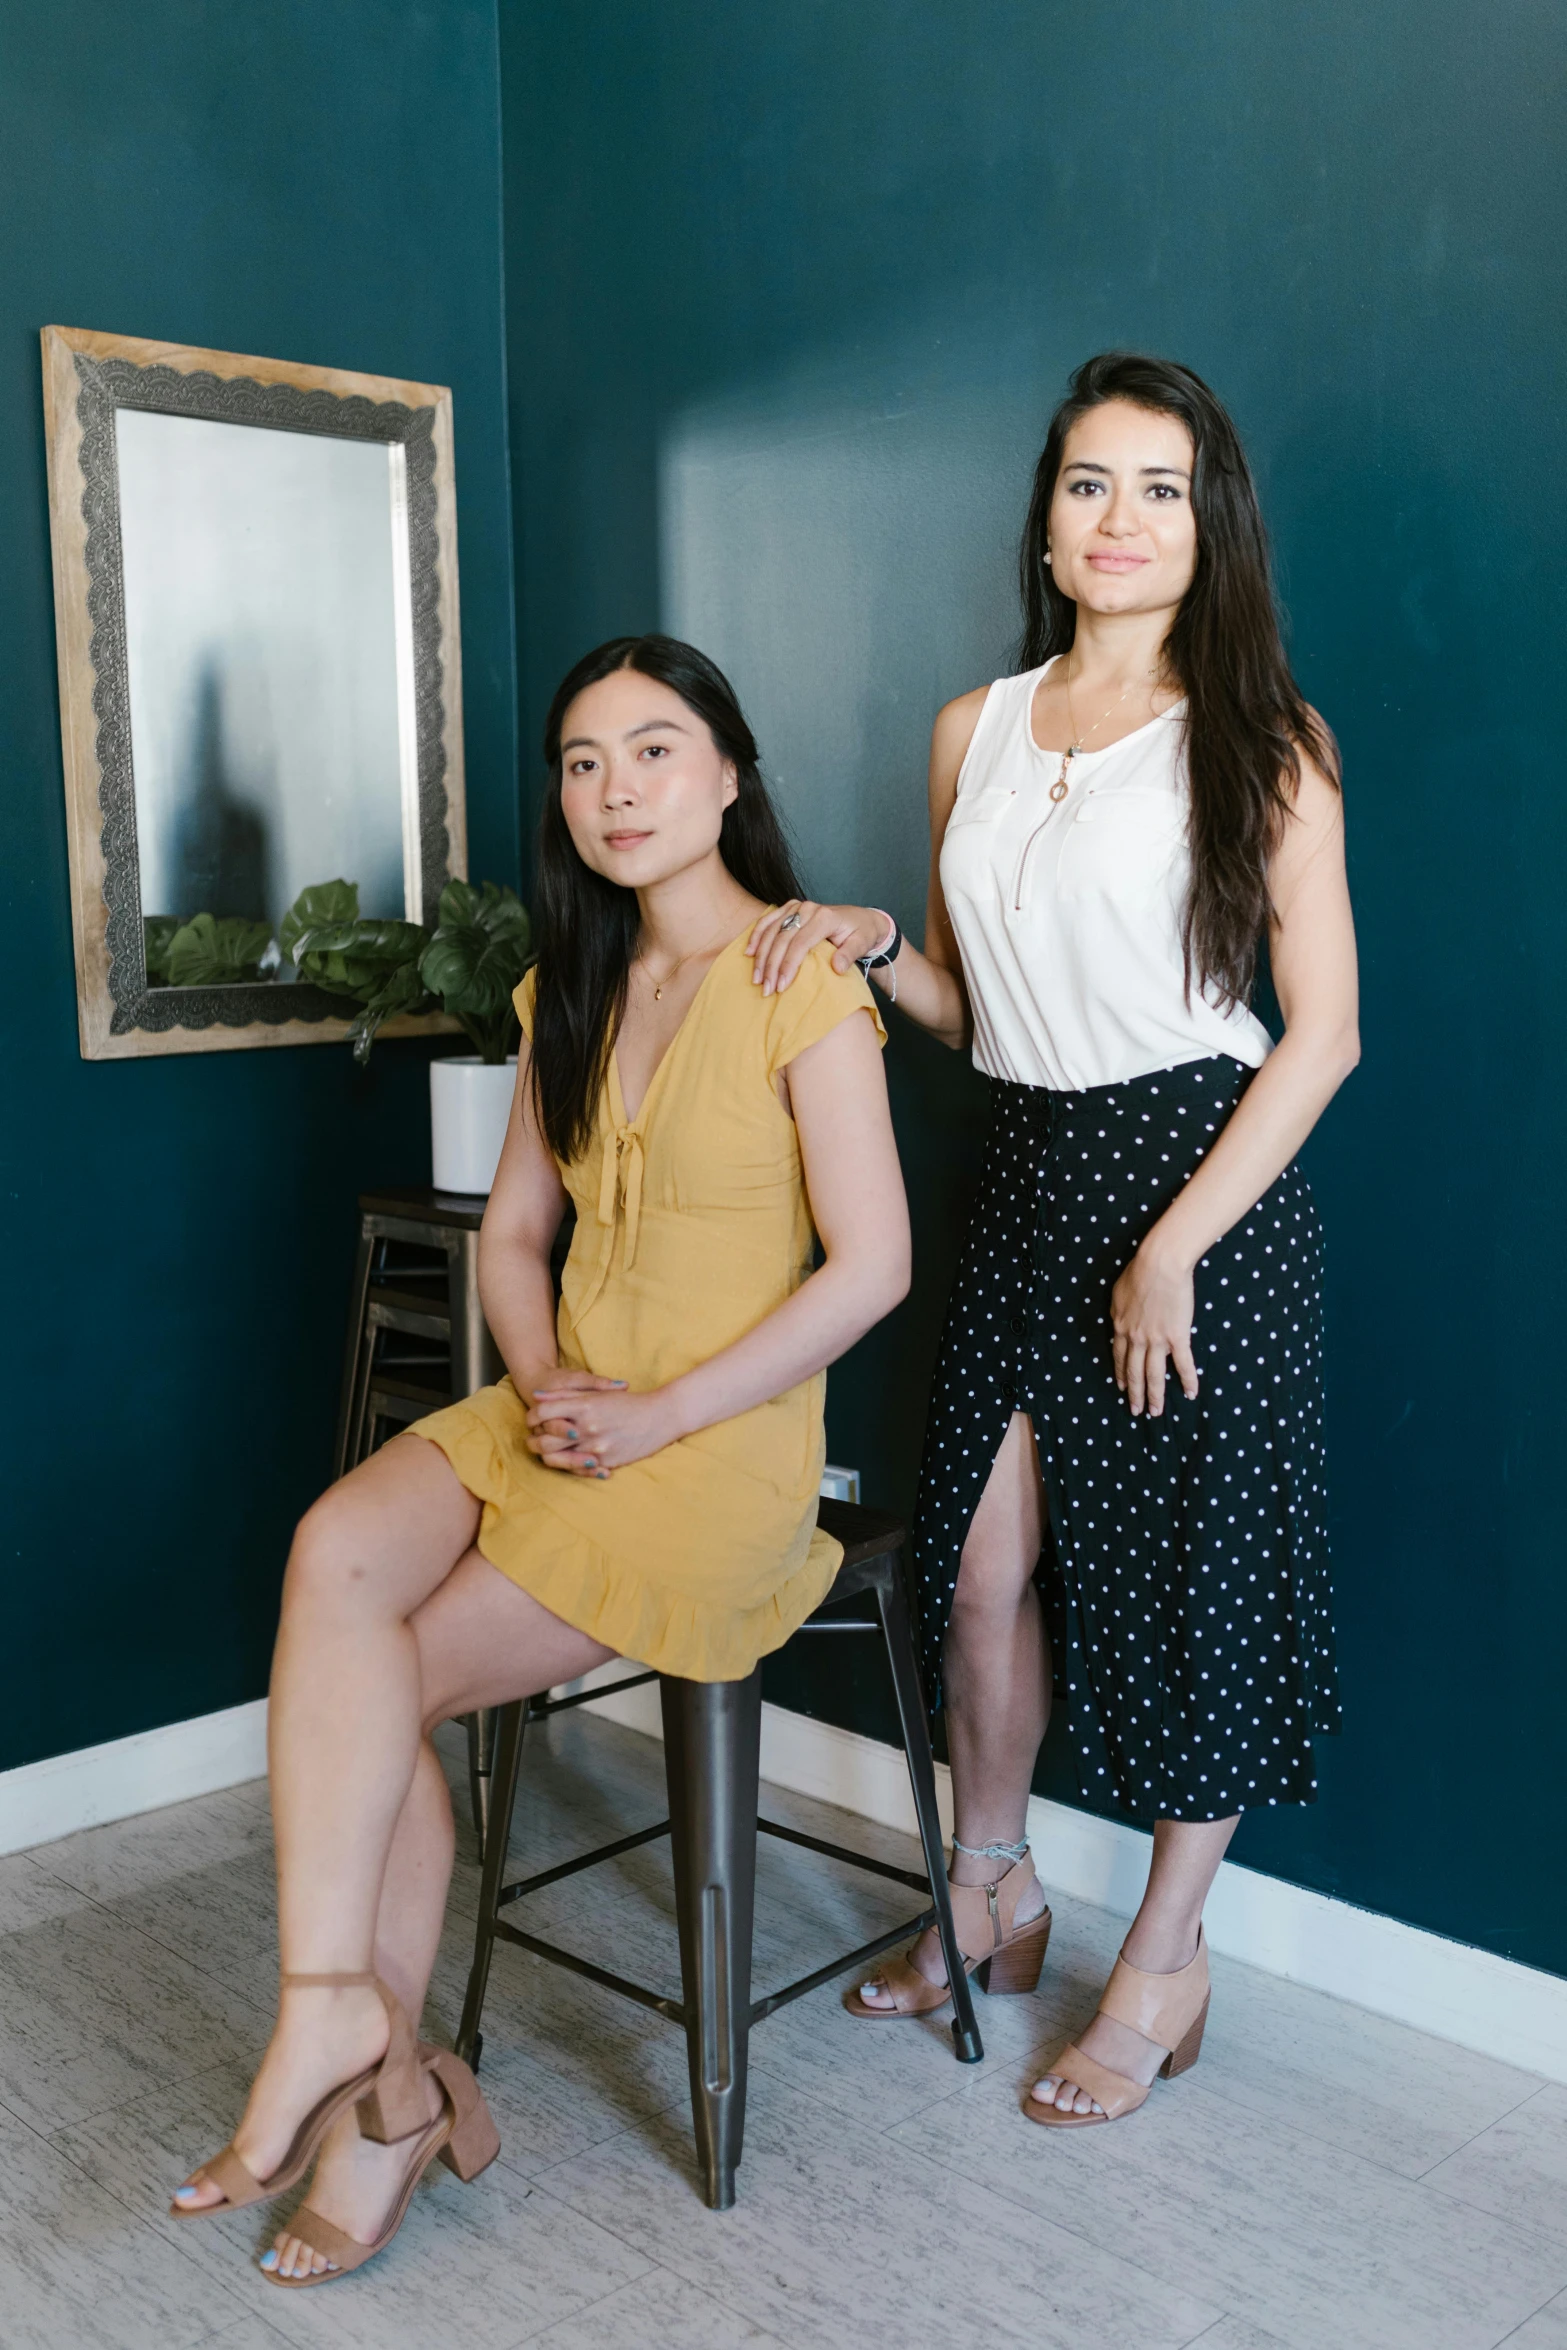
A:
[(620, 1194)]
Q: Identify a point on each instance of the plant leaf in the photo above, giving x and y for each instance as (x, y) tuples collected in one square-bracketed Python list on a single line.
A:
[(477, 958), (354, 958), (322, 902), (208, 952), (401, 990), (157, 934)]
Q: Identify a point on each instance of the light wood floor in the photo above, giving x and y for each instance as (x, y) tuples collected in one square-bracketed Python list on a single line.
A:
[(1323, 2180)]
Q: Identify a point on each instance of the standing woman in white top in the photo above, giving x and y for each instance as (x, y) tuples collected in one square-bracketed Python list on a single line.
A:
[(1122, 1497)]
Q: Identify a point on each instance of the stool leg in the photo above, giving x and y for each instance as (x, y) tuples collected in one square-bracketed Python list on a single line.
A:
[(481, 1765), (899, 1637), (359, 1440), (511, 1721), (476, 1360), (712, 1752), (357, 1297)]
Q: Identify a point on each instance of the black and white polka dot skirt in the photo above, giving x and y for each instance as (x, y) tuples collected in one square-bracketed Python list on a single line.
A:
[(1186, 1582)]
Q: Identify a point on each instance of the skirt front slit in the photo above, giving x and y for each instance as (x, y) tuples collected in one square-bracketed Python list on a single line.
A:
[(1186, 1580)]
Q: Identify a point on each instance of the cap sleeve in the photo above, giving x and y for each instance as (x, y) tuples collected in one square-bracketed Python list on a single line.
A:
[(522, 1000), (814, 1003)]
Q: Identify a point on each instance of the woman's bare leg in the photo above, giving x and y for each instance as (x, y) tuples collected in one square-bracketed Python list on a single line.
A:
[(997, 1668), (481, 1641), (1163, 1938), (342, 1739)]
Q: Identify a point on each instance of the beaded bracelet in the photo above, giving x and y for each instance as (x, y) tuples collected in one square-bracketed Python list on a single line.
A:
[(885, 955)]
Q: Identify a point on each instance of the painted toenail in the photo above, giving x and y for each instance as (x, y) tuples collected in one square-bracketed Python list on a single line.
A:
[(269, 2260)]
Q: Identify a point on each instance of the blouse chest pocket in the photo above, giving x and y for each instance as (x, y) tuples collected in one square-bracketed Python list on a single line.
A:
[(1124, 844), (968, 846), (980, 807)]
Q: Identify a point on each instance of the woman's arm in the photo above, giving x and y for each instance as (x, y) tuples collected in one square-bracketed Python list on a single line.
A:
[(520, 1223), (838, 1097), (1312, 948), (929, 986)]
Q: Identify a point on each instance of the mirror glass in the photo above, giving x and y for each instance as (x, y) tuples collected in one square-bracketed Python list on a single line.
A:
[(269, 650)]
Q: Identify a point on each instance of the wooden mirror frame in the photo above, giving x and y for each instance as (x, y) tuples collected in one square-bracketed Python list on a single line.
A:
[(87, 376)]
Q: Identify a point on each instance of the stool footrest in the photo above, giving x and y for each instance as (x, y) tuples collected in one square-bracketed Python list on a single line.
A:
[(761, 2008), (539, 1706), (672, 2008), (584, 1860), (855, 1860)]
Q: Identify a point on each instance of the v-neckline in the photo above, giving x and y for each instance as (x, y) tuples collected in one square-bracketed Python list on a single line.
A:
[(617, 1091)]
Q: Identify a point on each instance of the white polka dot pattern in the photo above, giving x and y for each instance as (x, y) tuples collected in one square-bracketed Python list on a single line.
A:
[(1187, 1584)]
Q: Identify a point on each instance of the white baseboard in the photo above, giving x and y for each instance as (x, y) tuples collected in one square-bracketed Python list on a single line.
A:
[(1491, 2004), (65, 1792), (1513, 2012)]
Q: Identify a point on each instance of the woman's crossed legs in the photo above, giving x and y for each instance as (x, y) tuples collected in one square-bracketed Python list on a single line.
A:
[(392, 1622)]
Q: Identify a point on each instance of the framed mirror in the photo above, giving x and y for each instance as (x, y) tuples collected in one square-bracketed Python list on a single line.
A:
[(255, 569)]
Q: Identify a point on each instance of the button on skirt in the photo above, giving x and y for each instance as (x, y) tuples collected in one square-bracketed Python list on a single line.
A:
[(1186, 1578)]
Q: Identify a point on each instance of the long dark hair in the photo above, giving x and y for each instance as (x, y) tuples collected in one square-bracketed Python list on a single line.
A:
[(587, 926), (1246, 720)]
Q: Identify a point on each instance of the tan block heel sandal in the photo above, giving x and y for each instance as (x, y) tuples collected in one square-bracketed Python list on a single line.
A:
[(1002, 1957), (462, 2134), (389, 2097), (1169, 2010)]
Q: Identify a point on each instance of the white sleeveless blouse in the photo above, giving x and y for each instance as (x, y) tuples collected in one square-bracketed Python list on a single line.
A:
[(1068, 914)]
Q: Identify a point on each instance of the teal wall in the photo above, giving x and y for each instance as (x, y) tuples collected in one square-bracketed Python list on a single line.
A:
[(308, 182), (790, 294)]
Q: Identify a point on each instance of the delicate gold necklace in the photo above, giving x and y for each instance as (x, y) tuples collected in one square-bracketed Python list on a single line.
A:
[(1059, 789), (677, 965)]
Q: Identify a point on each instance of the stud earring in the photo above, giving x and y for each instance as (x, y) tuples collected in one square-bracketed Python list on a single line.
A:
[(1047, 554)]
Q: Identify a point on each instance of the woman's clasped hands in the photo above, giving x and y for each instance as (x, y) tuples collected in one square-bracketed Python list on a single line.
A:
[(589, 1425)]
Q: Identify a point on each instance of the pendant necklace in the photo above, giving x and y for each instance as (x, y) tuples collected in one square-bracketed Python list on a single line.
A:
[(1062, 784), (677, 965)]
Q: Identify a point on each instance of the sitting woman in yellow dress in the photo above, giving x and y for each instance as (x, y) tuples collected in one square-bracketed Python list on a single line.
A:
[(643, 1481)]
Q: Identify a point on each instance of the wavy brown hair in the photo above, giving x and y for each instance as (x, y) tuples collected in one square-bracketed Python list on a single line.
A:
[(1247, 722)]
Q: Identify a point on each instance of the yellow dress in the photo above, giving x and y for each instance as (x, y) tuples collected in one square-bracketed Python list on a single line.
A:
[(692, 1227)]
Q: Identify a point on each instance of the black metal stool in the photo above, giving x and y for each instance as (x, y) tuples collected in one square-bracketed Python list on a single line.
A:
[(712, 1743), (417, 1339)]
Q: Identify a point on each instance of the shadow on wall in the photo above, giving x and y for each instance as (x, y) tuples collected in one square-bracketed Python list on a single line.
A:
[(221, 853)]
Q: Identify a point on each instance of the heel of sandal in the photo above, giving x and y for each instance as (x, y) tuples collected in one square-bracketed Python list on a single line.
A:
[(395, 2104), (475, 2141), (1182, 2058), (1016, 1966), (395, 2107)]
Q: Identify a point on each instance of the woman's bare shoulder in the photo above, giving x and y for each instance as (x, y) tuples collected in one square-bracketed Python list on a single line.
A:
[(960, 717), (950, 738)]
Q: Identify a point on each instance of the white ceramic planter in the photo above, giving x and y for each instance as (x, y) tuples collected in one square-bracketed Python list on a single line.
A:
[(470, 1103)]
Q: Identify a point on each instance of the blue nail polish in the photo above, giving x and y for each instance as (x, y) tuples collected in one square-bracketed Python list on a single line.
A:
[(269, 2259)]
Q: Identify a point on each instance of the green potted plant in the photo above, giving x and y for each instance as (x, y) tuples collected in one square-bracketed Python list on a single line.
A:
[(473, 965), (469, 967)]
